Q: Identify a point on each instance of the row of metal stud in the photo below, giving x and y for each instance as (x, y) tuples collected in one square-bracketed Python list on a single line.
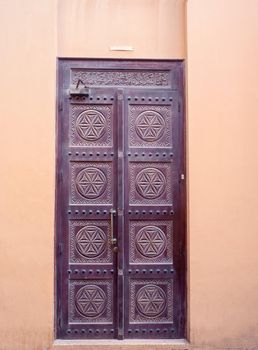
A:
[(84, 154), (105, 154), (90, 272), (157, 330), (136, 98), (150, 271), (130, 212), (90, 331), (129, 98)]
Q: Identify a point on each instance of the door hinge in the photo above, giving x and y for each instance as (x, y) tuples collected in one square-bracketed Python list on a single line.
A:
[(179, 107), (60, 176), (60, 104), (182, 177), (60, 248)]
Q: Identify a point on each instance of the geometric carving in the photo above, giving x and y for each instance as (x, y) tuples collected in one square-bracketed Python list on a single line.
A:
[(91, 182), (91, 125), (150, 126), (151, 241), (150, 183), (150, 300), (91, 241), (90, 301), (121, 77)]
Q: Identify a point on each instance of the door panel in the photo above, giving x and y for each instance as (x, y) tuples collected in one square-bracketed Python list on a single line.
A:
[(121, 149), (150, 226)]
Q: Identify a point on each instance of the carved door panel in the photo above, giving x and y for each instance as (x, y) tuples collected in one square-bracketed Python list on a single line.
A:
[(120, 165), (152, 214), (87, 190)]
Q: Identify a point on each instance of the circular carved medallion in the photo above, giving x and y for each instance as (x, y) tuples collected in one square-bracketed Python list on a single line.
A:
[(150, 301), (150, 183), (91, 125), (90, 301), (150, 126), (91, 182), (151, 241), (91, 241)]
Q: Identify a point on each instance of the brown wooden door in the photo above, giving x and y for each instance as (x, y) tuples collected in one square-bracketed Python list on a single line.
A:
[(120, 200)]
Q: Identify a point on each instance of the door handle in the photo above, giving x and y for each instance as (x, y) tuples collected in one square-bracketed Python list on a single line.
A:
[(112, 214)]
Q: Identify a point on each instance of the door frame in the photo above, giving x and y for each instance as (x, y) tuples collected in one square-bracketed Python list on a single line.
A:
[(123, 64)]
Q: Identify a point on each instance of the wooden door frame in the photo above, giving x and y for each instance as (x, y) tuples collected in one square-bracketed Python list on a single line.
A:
[(126, 64)]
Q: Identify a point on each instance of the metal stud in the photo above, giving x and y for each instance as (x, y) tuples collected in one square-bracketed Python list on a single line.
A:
[(76, 211), (69, 212), (150, 98), (136, 98), (105, 271), (144, 271), (105, 154), (98, 98), (164, 154), (90, 272), (69, 271), (111, 271), (84, 154), (129, 98), (84, 212), (90, 211), (98, 271), (129, 212), (68, 331), (156, 98), (83, 331), (97, 153), (143, 98), (157, 212), (165, 271), (150, 154), (158, 270), (136, 154), (129, 271), (144, 212), (143, 154), (97, 212), (97, 331), (150, 212), (69, 153), (164, 212), (83, 271), (129, 154), (163, 99), (91, 154), (104, 98), (136, 271), (170, 99), (157, 154), (112, 98), (76, 271)]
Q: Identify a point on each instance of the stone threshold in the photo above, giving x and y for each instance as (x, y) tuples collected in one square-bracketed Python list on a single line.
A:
[(135, 344)]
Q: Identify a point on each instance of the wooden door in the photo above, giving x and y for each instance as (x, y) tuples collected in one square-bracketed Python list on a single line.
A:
[(120, 210)]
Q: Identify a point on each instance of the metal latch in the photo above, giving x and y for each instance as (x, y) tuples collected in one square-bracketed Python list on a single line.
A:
[(77, 90)]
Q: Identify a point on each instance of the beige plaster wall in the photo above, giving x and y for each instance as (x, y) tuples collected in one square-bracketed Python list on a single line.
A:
[(222, 153), (223, 172), (27, 113), (154, 28)]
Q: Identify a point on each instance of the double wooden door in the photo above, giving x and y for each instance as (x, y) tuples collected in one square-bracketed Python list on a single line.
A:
[(120, 209)]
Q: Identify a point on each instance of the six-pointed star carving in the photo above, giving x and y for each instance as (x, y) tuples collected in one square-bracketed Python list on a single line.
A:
[(150, 183), (91, 241), (91, 300), (91, 125), (151, 300), (151, 241), (91, 182), (150, 126)]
